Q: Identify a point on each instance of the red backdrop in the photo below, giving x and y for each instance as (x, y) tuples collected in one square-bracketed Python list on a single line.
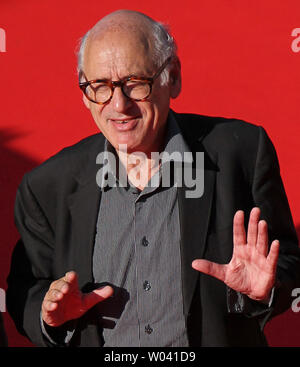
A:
[(238, 60)]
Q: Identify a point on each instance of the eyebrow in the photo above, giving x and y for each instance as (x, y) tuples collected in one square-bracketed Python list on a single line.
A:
[(105, 80)]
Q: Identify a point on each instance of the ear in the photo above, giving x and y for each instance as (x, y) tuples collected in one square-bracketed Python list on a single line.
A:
[(86, 101), (175, 79), (82, 77)]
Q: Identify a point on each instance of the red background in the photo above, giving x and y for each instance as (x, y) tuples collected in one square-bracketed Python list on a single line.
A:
[(237, 61)]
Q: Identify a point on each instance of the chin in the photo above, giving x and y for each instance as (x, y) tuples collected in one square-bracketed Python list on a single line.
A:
[(132, 145)]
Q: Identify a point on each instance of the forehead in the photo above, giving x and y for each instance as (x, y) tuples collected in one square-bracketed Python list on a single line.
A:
[(118, 54)]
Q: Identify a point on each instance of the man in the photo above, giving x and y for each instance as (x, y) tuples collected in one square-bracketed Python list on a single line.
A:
[(132, 264)]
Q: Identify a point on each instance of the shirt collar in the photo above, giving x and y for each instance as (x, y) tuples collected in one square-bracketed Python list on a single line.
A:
[(175, 143)]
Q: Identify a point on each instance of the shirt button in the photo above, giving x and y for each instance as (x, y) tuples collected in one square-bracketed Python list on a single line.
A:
[(148, 329), (147, 286), (145, 242)]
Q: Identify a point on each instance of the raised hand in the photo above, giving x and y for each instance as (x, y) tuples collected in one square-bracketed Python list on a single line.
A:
[(252, 268), (64, 301)]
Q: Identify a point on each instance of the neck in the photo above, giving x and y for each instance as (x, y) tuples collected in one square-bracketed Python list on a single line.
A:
[(141, 165)]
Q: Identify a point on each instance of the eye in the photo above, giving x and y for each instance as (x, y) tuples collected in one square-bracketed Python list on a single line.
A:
[(99, 92), (99, 86), (136, 89)]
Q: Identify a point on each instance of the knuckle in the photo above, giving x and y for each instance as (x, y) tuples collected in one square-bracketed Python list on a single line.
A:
[(51, 295), (47, 306), (62, 283), (56, 294), (55, 284)]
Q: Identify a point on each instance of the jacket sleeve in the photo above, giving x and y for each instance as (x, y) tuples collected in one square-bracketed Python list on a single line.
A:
[(3, 338), (269, 195), (31, 266)]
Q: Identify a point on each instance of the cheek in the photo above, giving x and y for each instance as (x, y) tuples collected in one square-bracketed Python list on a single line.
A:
[(160, 105), (161, 97), (98, 115)]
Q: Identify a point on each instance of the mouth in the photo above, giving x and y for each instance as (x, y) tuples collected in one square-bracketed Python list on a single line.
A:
[(124, 124), (121, 121)]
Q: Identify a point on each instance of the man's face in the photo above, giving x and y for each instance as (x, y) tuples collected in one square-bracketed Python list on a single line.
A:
[(113, 57)]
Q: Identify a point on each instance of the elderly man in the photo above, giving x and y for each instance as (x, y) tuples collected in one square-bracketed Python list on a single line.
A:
[(133, 264)]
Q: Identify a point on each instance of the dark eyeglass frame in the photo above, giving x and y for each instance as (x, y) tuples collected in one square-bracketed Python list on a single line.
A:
[(120, 83)]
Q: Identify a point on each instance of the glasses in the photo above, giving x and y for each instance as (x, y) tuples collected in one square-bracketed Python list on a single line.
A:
[(137, 89)]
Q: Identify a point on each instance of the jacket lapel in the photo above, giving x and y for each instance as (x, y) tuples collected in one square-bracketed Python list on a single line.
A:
[(195, 212), (83, 207)]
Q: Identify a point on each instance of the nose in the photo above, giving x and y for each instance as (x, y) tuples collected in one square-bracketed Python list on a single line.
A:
[(119, 101)]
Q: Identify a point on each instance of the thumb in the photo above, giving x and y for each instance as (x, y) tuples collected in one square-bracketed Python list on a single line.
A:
[(98, 295), (210, 268)]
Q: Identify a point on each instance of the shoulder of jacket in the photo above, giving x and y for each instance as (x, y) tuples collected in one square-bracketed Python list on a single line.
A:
[(68, 161), (219, 131)]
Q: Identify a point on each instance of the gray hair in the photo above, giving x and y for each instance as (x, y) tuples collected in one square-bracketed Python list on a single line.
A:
[(164, 47)]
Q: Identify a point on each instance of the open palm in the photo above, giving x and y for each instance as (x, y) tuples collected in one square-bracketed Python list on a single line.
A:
[(252, 268)]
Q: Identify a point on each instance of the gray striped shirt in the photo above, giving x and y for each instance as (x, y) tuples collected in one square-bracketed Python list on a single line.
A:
[(137, 251)]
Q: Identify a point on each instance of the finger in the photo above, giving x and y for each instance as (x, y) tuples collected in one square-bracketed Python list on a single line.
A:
[(210, 268), (49, 306), (54, 295), (60, 285), (253, 227), (262, 238), (67, 283), (273, 255), (47, 312), (96, 296), (72, 279), (239, 234)]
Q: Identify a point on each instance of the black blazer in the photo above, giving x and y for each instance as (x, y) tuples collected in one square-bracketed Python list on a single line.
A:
[(57, 205), (3, 338)]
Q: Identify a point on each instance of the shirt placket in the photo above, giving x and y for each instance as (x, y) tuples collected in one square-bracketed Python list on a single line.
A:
[(143, 249)]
